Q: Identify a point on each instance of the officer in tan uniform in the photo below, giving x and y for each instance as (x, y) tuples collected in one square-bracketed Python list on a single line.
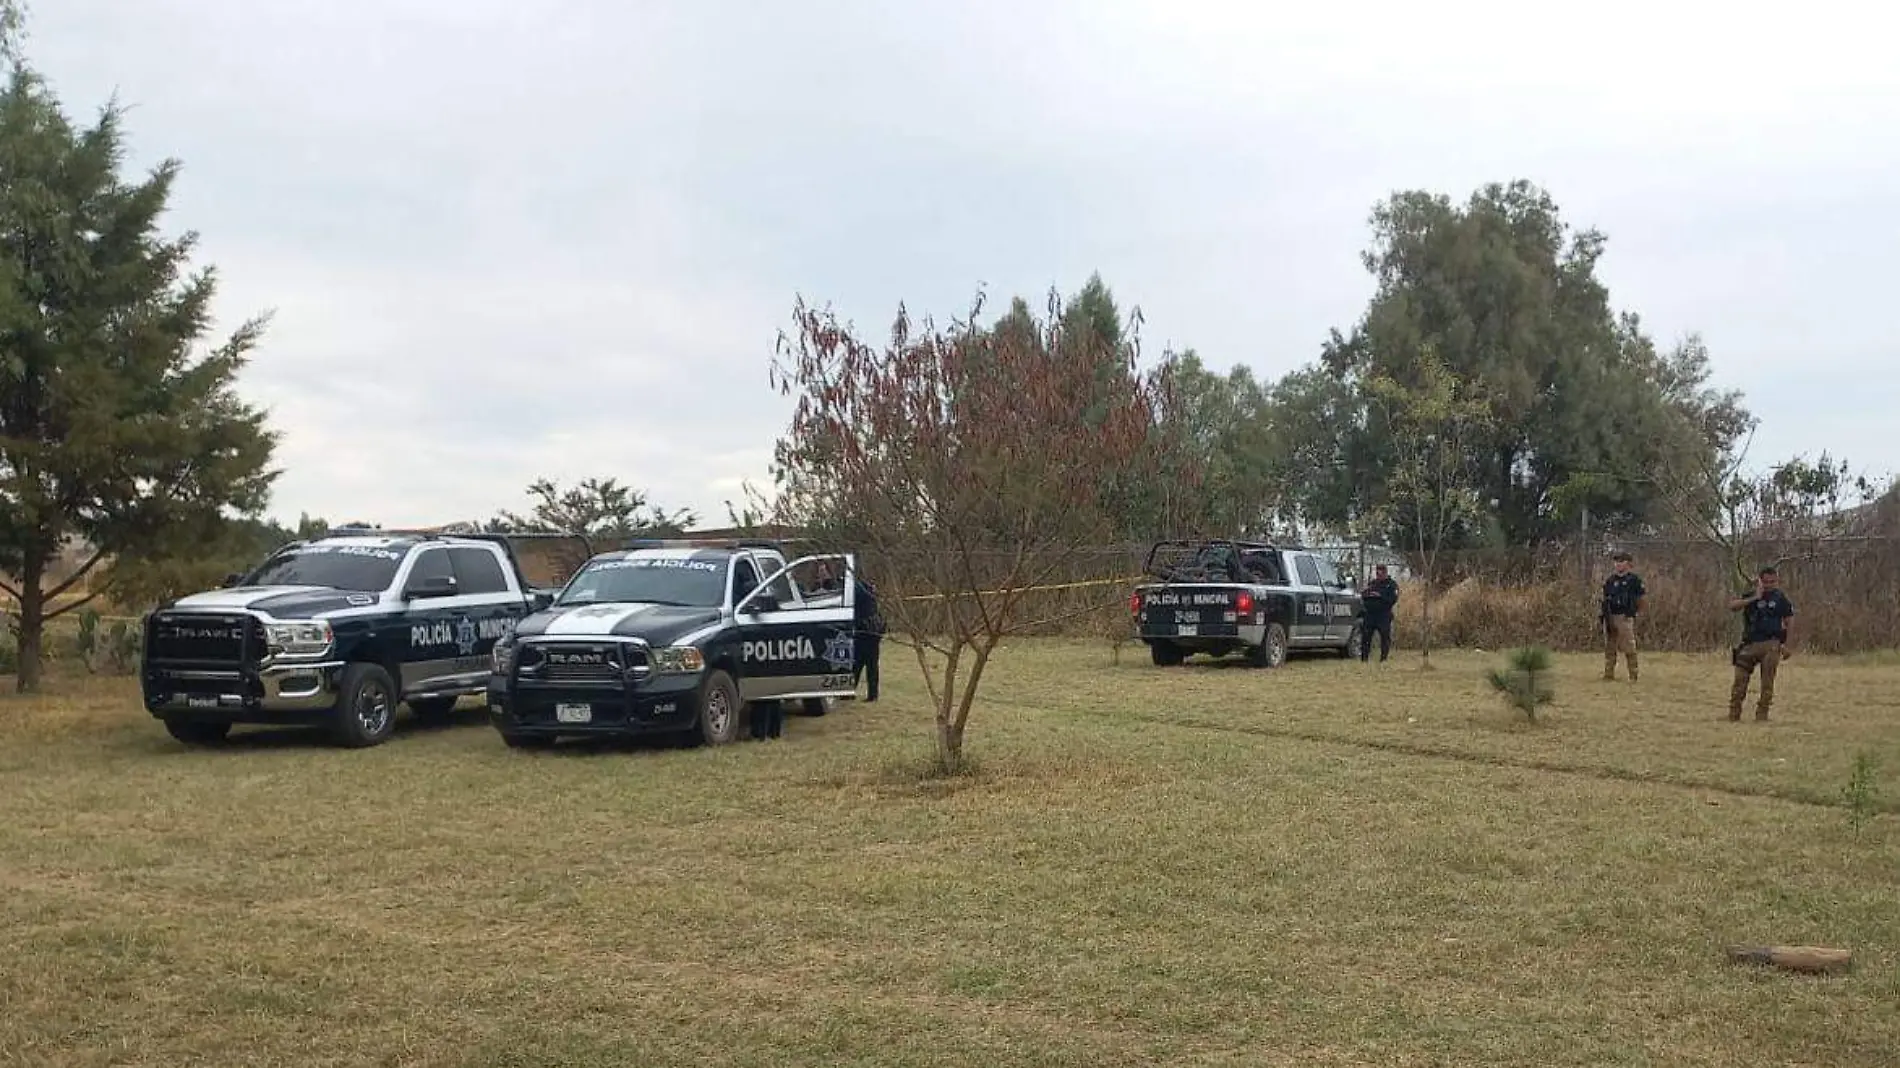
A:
[(1765, 616), (1623, 594)]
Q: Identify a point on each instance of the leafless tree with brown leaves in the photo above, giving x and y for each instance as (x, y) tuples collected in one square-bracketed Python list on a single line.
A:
[(982, 459), (1806, 507)]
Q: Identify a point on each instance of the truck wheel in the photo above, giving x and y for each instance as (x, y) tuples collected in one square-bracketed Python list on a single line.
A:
[(1271, 652), (365, 707), (718, 710), (196, 731), (1166, 654), (814, 706), (1350, 650), (433, 709)]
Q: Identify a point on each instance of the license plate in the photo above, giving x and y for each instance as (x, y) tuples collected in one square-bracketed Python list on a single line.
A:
[(201, 702), (573, 713), (1188, 630)]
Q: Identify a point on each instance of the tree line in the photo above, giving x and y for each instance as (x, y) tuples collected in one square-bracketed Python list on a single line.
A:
[(1489, 394)]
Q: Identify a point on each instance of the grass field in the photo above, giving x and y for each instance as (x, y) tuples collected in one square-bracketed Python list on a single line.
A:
[(1326, 864)]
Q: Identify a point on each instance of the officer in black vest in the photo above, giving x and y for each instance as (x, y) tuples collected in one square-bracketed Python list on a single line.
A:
[(1379, 596), (1623, 594), (1765, 616), (870, 635)]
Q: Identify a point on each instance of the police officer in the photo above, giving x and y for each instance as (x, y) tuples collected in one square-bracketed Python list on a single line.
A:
[(768, 719), (1765, 616), (869, 625), (1623, 595), (1379, 596)]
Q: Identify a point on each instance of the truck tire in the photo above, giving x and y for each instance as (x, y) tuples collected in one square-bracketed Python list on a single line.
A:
[(365, 707), (719, 710), (196, 731), (1271, 652), (1350, 650), (1166, 654), (814, 706)]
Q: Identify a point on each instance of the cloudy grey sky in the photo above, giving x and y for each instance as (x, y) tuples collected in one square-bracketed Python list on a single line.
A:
[(507, 239)]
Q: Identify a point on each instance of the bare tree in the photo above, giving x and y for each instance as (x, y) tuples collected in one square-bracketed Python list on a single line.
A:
[(1434, 423), (1730, 505), (962, 461)]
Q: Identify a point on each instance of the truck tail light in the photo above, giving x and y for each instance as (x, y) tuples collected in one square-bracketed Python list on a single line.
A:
[(1243, 604), (1134, 604)]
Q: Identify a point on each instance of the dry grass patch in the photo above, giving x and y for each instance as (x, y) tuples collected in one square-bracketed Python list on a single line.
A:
[(1324, 864)]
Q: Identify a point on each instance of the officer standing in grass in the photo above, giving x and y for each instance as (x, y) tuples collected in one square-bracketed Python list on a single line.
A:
[(1623, 594), (768, 720), (1765, 616), (869, 625), (1380, 595)]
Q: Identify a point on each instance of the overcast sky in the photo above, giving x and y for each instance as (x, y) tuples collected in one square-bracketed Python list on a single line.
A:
[(513, 238)]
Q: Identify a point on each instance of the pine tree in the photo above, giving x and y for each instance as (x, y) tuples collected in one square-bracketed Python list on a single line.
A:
[(117, 429)]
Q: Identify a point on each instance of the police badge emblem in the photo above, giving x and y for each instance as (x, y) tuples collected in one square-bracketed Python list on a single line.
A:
[(840, 652)]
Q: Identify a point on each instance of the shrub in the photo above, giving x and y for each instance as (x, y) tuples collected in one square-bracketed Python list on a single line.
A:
[(1525, 679), (117, 653), (88, 638)]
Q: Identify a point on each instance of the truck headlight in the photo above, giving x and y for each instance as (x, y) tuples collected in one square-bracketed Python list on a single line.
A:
[(504, 656), (678, 660), (300, 637)]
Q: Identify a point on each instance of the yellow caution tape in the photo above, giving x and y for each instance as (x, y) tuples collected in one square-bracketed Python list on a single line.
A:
[(1026, 589)]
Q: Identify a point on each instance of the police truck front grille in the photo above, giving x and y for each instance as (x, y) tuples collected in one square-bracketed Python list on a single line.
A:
[(580, 662), (201, 639)]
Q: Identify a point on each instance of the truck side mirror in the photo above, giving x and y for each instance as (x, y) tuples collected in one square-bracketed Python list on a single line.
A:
[(232, 579), (433, 586)]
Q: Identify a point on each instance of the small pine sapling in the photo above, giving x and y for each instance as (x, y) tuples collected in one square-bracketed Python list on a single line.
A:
[(1525, 680)]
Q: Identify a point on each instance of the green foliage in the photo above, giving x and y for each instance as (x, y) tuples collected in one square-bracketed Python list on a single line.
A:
[(12, 29), (116, 426), (601, 509), (1430, 487), (1507, 295), (140, 580), (1861, 794), (88, 638), (1525, 680)]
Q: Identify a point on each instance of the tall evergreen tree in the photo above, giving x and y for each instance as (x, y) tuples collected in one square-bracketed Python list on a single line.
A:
[(1508, 295), (116, 429)]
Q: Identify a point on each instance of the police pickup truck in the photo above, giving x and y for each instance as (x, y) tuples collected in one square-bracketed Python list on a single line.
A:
[(335, 631), (1263, 600), (675, 638)]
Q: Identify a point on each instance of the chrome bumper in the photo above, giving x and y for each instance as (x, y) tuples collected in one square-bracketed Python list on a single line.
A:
[(293, 687)]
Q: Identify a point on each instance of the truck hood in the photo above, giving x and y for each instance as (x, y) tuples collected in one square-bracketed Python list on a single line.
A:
[(280, 602), (660, 624)]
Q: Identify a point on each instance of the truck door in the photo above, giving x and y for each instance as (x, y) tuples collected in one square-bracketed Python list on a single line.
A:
[(481, 577), (1310, 603), (1342, 605), (790, 648)]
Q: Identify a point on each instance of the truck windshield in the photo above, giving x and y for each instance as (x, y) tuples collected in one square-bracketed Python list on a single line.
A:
[(363, 568), (648, 580)]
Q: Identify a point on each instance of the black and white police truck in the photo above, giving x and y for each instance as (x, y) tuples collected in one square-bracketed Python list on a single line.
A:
[(675, 638), (1263, 600), (336, 631)]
